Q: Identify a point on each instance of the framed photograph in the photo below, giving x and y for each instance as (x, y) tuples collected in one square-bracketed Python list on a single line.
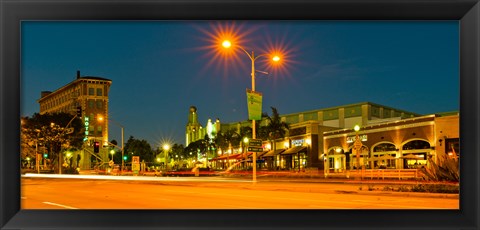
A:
[(37, 35)]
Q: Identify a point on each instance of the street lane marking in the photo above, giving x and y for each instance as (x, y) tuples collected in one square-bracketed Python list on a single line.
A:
[(60, 205)]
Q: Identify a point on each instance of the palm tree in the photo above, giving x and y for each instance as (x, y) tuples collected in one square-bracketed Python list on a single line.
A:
[(226, 140), (276, 128)]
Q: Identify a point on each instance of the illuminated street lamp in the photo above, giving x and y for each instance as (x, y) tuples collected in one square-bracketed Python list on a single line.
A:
[(166, 147), (123, 147), (357, 145), (227, 44), (112, 152)]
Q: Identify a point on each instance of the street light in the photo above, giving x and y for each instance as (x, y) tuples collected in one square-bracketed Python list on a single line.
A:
[(166, 147), (123, 147), (112, 152), (357, 145), (227, 44)]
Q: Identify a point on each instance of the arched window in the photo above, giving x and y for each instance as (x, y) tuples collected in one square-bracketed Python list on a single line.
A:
[(384, 147), (416, 144)]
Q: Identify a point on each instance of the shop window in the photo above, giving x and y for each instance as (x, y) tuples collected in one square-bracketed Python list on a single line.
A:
[(417, 144), (384, 147), (452, 147)]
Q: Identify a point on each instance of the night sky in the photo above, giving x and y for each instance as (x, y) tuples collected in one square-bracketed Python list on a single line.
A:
[(161, 68)]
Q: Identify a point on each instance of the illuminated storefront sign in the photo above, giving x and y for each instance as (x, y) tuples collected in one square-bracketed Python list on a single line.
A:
[(351, 139), (298, 142)]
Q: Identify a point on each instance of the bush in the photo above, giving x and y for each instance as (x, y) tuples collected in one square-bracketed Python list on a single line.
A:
[(69, 170), (447, 170)]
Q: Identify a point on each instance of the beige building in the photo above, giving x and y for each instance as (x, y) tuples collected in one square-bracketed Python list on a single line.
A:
[(399, 144), (91, 95), (303, 145)]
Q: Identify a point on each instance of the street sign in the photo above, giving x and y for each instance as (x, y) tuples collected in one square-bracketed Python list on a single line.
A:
[(255, 143), (255, 149), (135, 159)]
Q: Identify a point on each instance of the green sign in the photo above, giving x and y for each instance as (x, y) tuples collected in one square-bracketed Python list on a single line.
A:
[(255, 143), (254, 102), (255, 149)]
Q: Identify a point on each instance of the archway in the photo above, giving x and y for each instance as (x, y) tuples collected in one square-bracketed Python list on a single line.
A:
[(415, 153), (335, 159), (384, 155), (362, 157)]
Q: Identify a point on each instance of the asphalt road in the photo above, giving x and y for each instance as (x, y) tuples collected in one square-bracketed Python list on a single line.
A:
[(47, 193)]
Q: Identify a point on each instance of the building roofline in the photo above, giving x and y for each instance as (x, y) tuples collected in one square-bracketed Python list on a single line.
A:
[(71, 83), (374, 126), (354, 104)]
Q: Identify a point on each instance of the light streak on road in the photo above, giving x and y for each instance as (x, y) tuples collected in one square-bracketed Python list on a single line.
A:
[(60, 205), (133, 178)]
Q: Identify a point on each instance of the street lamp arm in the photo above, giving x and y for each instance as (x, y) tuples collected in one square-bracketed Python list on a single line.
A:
[(250, 56), (261, 55), (116, 123)]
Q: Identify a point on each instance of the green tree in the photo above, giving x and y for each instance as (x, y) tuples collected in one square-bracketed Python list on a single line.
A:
[(136, 147), (227, 140), (55, 132)]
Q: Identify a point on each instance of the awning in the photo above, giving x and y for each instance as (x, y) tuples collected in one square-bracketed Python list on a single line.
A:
[(225, 156), (294, 150), (272, 153), (259, 154)]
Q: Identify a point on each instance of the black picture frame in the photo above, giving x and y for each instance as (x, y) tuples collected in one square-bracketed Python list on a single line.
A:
[(12, 12)]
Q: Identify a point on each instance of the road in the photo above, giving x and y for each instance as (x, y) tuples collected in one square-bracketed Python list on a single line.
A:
[(48, 193)]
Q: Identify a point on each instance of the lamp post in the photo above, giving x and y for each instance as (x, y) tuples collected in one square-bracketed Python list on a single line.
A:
[(357, 145), (123, 146), (166, 148), (227, 44)]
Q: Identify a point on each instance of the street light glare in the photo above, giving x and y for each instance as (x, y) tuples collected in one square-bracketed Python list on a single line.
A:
[(226, 44), (276, 58), (166, 147), (356, 128)]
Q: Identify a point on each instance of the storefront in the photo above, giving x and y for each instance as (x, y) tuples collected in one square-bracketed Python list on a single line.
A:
[(402, 144)]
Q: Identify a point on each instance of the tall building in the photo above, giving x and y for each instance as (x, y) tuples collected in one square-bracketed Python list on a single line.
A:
[(195, 131), (89, 93)]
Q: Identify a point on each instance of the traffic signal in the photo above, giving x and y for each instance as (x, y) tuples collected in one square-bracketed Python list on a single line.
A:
[(79, 111), (124, 158), (45, 155), (96, 147)]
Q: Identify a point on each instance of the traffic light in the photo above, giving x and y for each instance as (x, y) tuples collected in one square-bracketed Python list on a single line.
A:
[(45, 155), (96, 147), (79, 111), (124, 158)]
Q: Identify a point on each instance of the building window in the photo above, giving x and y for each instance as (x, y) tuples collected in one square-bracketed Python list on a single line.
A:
[(99, 104), (91, 104), (99, 92), (91, 91), (99, 131)]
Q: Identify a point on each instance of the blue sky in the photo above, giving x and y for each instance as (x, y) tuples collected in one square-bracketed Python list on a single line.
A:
[(160, 68)]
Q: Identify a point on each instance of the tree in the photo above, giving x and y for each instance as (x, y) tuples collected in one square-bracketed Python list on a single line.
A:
[(227, 140), (53, 132), (203, 146), (142, 148)]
